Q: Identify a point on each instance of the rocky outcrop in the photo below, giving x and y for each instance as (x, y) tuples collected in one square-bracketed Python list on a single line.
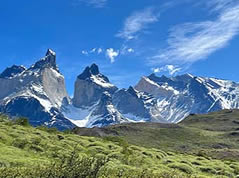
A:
[(105, 112), (32, 109), (37, 93), (49, 61), (12, 72), (130, 102), (149, 86), (89, 87), (179, 96)]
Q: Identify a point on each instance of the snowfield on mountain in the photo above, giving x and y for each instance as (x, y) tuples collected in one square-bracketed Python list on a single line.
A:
[(39, 93)]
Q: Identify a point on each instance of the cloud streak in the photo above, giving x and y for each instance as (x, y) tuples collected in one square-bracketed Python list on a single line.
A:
[(191, 42), (137, 22), (92, 51), (217, 5), (171, 69), (95, 3)]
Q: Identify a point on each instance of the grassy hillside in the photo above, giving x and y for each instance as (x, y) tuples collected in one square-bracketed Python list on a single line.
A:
[(41, 152), (215, 135)]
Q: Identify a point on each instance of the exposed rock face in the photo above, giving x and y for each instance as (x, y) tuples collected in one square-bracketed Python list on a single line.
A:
[(97, 102), (92, 103), (89, 87), (54, 85), (39, 94), (41, 87), (12, 71), (106, 113), (131, 102), (32, 109), (179, 96), (49, 61)]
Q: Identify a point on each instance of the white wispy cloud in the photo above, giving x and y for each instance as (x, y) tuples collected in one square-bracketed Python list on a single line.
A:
[(95, 3), (171, 69), (130, 50), (84, 52), (125, 50), (191, 42), (92, 51), (137, 22), (112, 54), (216, 5), (100, 50)]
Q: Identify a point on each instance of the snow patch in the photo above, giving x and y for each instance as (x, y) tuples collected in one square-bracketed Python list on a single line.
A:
[(134, 119), (79, 116), (100, 81)]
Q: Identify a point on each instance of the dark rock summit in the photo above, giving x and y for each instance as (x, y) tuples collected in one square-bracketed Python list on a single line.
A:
[(89, 71), (12, 71), (49, 61), (89, 87)]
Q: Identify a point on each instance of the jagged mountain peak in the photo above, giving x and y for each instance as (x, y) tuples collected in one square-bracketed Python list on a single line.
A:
[(89, 71), (157, 79), (37, 93), (184, 78), (94, 69), (92, 74), (90, 85), (97, 102), (49, 61), (132, 91), (164, 78), (12, 71), (50, 52), (152, 75)]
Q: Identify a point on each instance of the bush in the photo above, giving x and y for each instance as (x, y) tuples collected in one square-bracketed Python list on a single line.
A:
[(49, 130), (182, 167), (22, 121), (71, 166), (20, 143), (208, 170)]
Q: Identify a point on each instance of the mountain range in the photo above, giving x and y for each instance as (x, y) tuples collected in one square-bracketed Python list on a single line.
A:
[(39, 93)]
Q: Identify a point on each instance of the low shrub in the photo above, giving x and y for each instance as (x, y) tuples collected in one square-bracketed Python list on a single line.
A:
[(208, 170), (20, 143), (22, 121), (182, 167)]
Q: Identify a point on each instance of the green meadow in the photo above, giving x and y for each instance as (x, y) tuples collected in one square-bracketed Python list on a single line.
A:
[(134, 150)]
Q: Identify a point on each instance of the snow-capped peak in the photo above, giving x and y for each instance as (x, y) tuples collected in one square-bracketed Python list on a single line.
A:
[(93, 74), (49, 61)]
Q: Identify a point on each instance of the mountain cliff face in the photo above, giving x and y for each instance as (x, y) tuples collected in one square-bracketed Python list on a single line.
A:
[(179, 96), (92, 103), (89, 87), (39, 93)]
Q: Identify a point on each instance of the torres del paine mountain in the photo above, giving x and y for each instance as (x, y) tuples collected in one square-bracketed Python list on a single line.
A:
[(39, 93)]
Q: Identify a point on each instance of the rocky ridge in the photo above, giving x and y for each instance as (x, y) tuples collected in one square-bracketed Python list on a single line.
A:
[(39, 93)]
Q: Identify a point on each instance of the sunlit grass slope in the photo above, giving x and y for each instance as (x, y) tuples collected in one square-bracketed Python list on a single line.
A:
[(40, 152)]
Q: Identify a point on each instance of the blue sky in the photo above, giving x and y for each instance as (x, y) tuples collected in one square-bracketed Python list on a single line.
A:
[(127, 39)]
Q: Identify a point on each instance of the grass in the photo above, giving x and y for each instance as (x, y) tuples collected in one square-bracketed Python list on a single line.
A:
[(212, 135), (42, 152)]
